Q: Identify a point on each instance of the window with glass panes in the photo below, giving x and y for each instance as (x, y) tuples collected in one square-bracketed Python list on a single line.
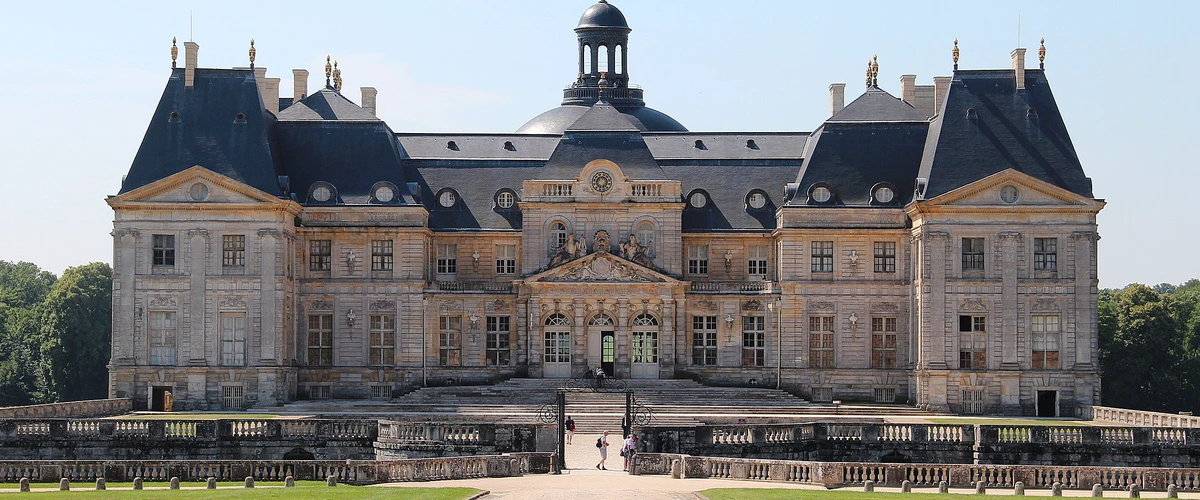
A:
[(1045, 254), (163, 328), (498, 337), (320, 255), (972, 254), (320, 339), (754, 341), (883, 342), (233, 250), (558, 235), (233, 339), (756, 264), (704, 340), (1046, 334), (698, 259), (644, 339), (972, 342), (822, 257), (450, 340), (447, 259), (645, 236), (885, 256), (381, 255), (820, 342), (506, 259), (383, 340), (163, 249)]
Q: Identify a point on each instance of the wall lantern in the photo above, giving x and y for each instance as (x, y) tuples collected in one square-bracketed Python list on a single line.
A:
[(350, 318)]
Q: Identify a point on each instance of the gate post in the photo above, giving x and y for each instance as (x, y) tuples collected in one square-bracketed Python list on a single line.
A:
[(562, 442)]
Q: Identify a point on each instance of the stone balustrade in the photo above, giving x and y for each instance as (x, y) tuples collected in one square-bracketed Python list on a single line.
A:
[(474, 286), (345, 471), (72, 409), (1139, 418), (733, 286), (843, 474)]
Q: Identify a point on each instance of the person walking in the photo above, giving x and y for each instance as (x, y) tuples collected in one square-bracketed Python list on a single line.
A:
[(602, 443), (628, 449), (570, 428), (599, 377), (626, 426)]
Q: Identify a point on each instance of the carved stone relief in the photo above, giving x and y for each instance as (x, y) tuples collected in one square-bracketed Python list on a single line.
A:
[(972, 305)]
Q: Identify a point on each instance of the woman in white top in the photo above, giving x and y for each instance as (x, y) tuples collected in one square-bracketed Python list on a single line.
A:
[(628, 449)]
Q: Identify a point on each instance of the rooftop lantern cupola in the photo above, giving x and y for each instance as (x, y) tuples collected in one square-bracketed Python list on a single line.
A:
[(603, 36)]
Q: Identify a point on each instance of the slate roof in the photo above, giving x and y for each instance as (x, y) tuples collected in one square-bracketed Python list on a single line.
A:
[(476, 184), (876, 105), (207, 132), (477, 146), (1000, 135), (556, 121), (350, 155), (326, 104), (854, 157), (727, 145), (727, 188)]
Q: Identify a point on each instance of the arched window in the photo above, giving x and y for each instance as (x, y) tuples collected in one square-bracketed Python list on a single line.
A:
[(645, 339), (602, 60), (558, 235), (557, 339), (601, 320), (619, 58), (645, 235), (645, 319), (587, 59), (558, 319)]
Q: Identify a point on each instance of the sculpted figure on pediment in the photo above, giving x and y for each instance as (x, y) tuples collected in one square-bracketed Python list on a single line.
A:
[(600, 242), (571, 250), (634, 252), (604, 269)]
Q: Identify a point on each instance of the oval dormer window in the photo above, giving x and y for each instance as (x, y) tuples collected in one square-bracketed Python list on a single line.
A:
[(756, 200), (884, 194), (1009, 194), (698, 200), (447, 199), (385, 194), (505, 199), (821, 194), (322, 194), (199, 191)]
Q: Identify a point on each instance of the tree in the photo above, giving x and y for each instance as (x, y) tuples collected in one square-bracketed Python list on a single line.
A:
[(23, 285), (77, 332), (1142, 351)]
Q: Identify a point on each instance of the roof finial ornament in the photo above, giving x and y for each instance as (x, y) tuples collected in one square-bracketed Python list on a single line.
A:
[(174, 52), (328, 71), (955, 54), (253, 52), (1042, 54), (875, 71), (868, 73), (337, 77)]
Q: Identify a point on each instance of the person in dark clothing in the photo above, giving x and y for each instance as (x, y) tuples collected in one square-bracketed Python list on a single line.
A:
[(570, 429)]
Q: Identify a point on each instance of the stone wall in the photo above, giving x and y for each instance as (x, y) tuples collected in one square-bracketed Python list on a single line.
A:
[(420, 439), (71, 409), (1109, 415)]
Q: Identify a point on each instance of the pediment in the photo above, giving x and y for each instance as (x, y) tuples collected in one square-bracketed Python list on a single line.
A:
[(600, 267), (997, 190), (196, 185)]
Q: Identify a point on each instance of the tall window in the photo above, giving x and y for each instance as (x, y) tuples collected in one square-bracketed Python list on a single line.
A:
[(756, 265), (233, 250), (447, 259), (320, 255), (320, 339), (972, 342), (972, 254), (232, 397), (558, 235), (499, 335), (645, 236), (645, 339), (822, 256), (754, 341), (820, 341), (1045, 254), (698, 259), (558, 339), (164, 249), (381, 255), (885, 256), (450, 340), (883, 342), (383, 340), (1045, 341), (506, 259), (704, 340), (233, 339), (162, 338)]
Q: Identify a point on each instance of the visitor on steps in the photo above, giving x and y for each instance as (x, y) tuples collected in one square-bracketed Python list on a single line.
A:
[(602, 443), (570, 428), (599, 377), (628, 449)]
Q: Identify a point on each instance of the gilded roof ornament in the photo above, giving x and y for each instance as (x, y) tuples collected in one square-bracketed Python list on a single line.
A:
[(328, 70), (337, 77), (955, 54), (868, 73), (875, 70), (174, 52), (1042, 54), (253, 52)]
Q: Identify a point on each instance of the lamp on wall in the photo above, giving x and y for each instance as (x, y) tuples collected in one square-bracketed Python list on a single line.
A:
[(729, 321), (350, 318), (474, 321), (475, 258), (853, 320), (141, 313)]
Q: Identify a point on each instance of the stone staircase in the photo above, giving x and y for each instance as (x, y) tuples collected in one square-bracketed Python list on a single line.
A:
[(674, 403)]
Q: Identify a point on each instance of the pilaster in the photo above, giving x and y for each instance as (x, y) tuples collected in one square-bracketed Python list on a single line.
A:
[(198, 315)]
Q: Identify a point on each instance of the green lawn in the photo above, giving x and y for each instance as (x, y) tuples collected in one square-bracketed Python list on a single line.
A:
[(771, 494), (197, 416), (1008, 421), (306, 490)]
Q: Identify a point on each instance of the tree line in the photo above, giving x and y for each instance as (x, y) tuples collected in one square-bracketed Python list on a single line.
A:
[(55, 333)]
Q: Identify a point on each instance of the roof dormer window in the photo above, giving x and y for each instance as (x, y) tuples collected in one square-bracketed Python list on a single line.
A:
[(700, 144), (508, 145), (452, 146)]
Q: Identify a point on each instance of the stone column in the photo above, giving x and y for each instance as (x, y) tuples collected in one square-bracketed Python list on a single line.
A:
[(1010, 249), (934, 347), (1085, 314), (534, 343), (667, 348), (125, 329), (680, 334), (269, 319), (198, 314), (579, 359), (621, 359)]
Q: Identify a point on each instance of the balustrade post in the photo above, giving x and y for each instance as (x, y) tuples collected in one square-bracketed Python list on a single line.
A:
[(870, 433), (1143, 435), (58, 428), (274, 429), (829, 474), (820, 431), (158, 429), (758, 435), (1091, 435), (919, 434), (1039, 434), (1193, 435)]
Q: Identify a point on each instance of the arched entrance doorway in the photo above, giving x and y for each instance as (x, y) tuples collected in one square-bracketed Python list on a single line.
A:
[(644, 346), (602, 343), (556, 354)]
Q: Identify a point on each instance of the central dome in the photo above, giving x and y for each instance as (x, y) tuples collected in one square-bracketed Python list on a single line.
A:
[(602, 15)]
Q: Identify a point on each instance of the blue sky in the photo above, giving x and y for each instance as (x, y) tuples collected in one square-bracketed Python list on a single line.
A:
[(82, 79)]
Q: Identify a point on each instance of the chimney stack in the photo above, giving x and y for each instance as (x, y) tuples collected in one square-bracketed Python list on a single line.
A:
[(299, 85), (908, 88), (190, 51), (368, 99), (1018, 65), (270, 94), (837, 97), (941, 87)]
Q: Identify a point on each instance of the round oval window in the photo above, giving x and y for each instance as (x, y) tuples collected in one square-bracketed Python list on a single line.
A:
[(758, 200), (322, 194), (199, 191), (821, 194), (384, 194), (884, 195), (1009, 194), (697, 200), (505, 199), (446, 199)]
